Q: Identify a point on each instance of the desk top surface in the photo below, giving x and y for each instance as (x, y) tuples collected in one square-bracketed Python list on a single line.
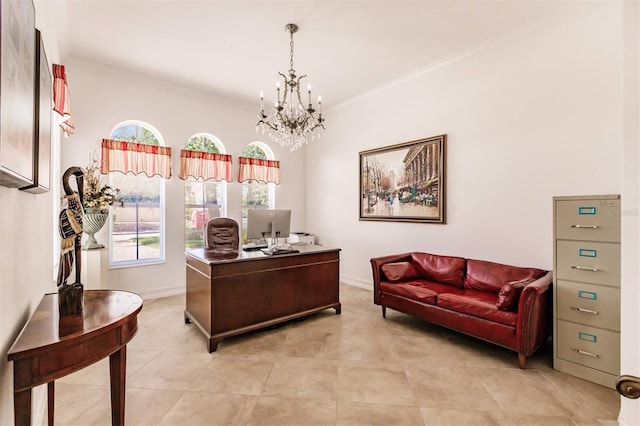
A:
[(103, 310), (241, 255)]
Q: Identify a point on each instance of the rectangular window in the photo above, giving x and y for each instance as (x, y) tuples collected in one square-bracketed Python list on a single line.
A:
[(255, 195), (203, 200), (137, 229)]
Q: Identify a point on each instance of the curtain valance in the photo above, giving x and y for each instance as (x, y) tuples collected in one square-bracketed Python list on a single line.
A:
[(125, 157), (61, 98), (205, 165), (259, 170)]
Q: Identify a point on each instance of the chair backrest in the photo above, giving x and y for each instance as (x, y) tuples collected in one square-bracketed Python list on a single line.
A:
[(221, 233)]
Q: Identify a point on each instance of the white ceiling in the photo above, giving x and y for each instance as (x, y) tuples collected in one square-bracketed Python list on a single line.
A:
[(236, 48)]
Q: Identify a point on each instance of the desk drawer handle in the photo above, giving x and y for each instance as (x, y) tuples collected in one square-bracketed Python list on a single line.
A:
[(584, 268), (586, 311), (585, 353), (585, 226)]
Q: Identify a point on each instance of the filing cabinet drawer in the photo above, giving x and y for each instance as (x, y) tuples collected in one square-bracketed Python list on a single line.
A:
[(590, 262), (589, 346), (587, 304), (588, 220)]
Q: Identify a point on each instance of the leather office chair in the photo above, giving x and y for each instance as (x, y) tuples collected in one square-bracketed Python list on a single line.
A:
[(221, 234)]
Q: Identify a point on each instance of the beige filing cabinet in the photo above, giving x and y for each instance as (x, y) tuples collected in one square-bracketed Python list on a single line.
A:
[(586, 276)]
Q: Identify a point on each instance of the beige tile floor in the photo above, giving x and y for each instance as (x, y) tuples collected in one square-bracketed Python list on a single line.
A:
[(350, 369)]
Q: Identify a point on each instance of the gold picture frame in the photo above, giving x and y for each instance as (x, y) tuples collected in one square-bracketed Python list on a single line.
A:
[(404, 182)]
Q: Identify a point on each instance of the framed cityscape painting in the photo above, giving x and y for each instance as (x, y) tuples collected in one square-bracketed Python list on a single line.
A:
[(404, 182)]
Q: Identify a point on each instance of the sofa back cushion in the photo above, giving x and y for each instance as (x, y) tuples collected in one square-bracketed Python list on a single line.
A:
[(489, 276), (444, 269), (400, 271)]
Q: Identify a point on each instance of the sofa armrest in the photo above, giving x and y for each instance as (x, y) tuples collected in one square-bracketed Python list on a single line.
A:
[(533, 324), (376, 266)]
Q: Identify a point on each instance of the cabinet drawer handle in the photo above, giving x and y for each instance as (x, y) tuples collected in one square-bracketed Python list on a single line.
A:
[(584, 268), (586, 311), (585, 226), (585, 353)]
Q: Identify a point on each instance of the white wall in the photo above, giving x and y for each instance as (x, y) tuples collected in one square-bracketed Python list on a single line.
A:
[(26, 251), (528, 117), (103, 96)]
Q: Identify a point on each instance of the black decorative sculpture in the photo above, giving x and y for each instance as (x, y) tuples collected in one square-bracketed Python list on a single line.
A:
[(70, 299)]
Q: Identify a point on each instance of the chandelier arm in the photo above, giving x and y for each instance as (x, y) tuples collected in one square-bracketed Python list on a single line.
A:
[(268, 124), (286, 90), (297, 85)]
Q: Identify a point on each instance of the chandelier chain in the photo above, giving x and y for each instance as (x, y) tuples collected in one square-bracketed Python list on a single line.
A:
[(291, 51)]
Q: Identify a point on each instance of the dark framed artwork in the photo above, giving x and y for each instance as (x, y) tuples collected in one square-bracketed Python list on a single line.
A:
[(43, 96), (404, 182), (17, 76)]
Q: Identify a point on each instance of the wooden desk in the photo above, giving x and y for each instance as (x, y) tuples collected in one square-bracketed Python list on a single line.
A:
[(50, 347), (250, 290)]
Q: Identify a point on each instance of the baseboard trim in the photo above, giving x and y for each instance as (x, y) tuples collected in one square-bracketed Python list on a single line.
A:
[(356, 283), (165, 292)]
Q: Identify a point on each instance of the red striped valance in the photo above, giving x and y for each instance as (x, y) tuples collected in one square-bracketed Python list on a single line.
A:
[(125, 157), (61, 98), (255, 169), (205, 165)]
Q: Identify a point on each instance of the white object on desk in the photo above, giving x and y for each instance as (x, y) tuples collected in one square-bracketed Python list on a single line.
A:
[(301, 238)]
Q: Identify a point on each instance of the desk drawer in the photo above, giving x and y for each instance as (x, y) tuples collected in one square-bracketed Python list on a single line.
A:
[(589, 346), (597, 263), (587, 304)]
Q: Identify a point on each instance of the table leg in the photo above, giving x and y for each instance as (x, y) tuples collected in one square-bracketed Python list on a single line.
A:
[(22, 407), (51, 397), (117, 370)]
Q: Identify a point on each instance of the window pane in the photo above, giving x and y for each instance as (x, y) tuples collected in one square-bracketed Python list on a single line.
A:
[(136, 227), (203, 201), (255, 195), (135, 133)]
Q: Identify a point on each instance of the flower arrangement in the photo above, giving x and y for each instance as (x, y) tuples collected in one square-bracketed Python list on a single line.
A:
[(96, 195)]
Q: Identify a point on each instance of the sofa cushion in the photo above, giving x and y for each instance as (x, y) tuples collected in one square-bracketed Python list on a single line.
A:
[(489, 276), (445, 269), (415, 290), (509, 294), (480, 304), (400, 271)]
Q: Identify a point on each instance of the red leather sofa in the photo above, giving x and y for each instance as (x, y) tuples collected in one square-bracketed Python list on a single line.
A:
[(506, 305)]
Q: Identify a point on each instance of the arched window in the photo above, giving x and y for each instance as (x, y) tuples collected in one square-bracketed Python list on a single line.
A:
[(136, 230), (256, 195), (203, 200)]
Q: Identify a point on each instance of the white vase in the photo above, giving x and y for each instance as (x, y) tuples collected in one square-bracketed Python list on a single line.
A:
[(93, 221)]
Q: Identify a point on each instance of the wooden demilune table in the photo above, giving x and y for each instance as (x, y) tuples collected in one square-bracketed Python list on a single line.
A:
[(50, 347), (250, 290)]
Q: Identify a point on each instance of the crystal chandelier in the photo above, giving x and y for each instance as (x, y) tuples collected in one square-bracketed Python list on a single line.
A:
[(290, 123)]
